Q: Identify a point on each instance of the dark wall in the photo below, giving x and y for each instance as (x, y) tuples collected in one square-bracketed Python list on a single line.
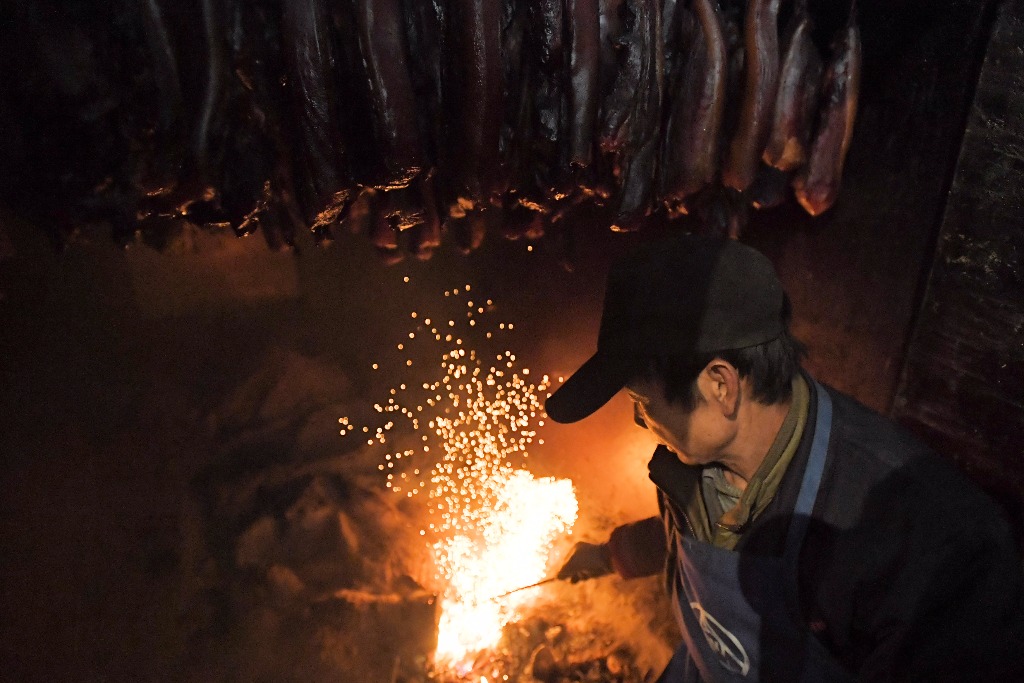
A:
[(963, 387), (855, 273)]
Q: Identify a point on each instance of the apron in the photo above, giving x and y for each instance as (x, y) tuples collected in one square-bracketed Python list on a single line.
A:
[(739, 613)]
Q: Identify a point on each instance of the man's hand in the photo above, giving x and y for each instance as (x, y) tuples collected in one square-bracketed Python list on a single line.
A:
[(587, 561)]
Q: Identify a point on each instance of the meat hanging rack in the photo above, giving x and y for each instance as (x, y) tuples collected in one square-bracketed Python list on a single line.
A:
[(430, 119)]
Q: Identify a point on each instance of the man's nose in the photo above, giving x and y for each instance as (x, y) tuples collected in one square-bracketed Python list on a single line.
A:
[(638, 417)]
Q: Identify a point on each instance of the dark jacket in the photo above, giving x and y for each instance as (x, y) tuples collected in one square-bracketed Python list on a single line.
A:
[(908, 572)]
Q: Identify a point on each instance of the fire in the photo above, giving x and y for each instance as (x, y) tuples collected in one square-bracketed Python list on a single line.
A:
[(509, 550), (492, 524)]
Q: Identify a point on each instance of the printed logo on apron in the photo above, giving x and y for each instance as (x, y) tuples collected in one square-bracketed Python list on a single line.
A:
[(731, 654)]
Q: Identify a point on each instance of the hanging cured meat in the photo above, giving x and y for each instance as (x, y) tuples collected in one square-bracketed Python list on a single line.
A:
[(817, 184), (443, 119)]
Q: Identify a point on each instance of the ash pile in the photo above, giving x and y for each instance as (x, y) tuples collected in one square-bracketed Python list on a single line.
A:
[(300, 562)]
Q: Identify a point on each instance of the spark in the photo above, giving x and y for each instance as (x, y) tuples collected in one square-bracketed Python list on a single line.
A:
[(490, 522)]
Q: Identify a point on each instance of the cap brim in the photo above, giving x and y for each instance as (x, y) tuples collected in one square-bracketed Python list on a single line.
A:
[(587, 389)]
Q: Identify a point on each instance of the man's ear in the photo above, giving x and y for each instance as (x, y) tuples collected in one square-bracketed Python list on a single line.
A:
[(722, 385)]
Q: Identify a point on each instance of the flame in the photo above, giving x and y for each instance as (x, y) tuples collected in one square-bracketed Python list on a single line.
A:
[(510, 550), (493, 523)]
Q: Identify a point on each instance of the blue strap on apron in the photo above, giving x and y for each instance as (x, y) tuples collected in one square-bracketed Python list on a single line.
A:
[(812, 475)]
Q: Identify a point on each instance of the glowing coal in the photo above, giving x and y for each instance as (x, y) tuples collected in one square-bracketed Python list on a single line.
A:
[(491, 523)]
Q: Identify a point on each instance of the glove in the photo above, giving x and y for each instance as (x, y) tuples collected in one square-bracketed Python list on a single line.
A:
[(587, 561)]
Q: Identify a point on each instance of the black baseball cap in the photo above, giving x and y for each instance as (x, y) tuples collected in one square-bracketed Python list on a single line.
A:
[(684, 295)]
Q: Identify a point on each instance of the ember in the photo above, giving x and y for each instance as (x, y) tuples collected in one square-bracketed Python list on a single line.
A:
[(491, 524)]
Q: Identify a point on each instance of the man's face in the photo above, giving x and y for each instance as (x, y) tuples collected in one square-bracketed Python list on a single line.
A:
[(694, 436)]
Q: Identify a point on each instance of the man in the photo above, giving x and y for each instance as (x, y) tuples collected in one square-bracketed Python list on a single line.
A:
[(803, 537)]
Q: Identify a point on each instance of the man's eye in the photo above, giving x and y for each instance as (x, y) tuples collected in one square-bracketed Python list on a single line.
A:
[(638, 416)]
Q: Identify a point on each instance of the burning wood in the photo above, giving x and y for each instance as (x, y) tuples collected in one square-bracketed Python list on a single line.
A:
[(557, 641)]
